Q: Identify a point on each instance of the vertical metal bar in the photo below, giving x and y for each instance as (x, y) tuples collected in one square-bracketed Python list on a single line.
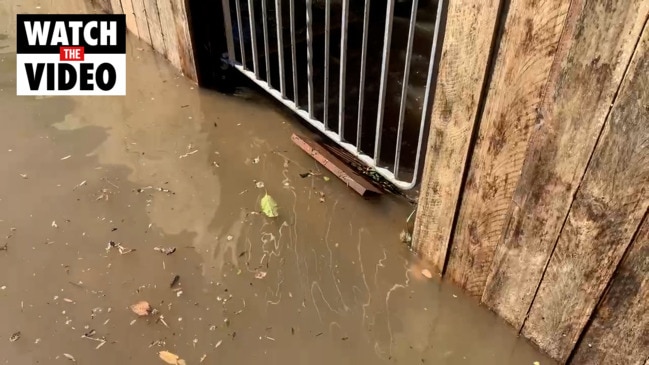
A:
[(326, 63), (240, 28), (264, 10), (404, 87), (227, 22), (430, 88), (389, 15), (361, 88), (309, 53), (343, 70), (293, 56), (253, 36), (280, 47)]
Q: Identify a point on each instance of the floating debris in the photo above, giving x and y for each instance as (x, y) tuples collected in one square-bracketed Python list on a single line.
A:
[(188, 154), (260, 274), (166, 251), (15, 337), (70, 357), (54, 224), (202, 358), (66, 157), (427, 273), (171, 358), (259, 184), (158, 343), (122, 250), (163, 190), (255, 160), (218, 344), (175, 281), (269, 206), (405, 236), (142, 308), (83, 183), (24, 176)]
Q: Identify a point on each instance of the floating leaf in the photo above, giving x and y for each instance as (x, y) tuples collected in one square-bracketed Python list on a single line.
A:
[(427, 273), (142, 308), (269, 206), (169, 358)]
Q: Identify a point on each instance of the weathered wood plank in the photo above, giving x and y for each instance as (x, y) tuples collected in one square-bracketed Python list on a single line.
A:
[(607, 210), (116, 7), (183, 35), (141, 17), (131, 23), (168, 27), (619, 330), (155, 29), (598, 44), (465, 54), (532, 33)]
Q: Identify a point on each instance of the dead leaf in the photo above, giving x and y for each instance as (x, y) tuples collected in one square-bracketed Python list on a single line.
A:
[(142, 308), (170, 358)]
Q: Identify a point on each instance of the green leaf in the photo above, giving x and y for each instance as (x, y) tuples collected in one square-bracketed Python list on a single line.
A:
[(269, 206)]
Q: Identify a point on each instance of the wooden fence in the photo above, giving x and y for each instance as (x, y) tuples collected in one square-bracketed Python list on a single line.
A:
[(536, 185), (162, 24)]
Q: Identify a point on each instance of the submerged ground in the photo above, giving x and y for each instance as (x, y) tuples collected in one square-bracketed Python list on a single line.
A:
[(171, 166)]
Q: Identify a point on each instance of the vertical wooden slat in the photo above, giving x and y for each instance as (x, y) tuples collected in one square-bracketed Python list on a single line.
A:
[(607, 210), (141, 19), (532, 33), (168, 25), (185, 52), (466, 50), (131, 23), (116, 7), (595, 51), (619, 330), (155, 29)]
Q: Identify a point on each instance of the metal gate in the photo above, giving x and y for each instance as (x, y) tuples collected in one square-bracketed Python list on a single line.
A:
[(330, 62)]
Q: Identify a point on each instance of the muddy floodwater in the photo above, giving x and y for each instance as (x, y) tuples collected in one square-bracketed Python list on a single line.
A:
[(169, 167)]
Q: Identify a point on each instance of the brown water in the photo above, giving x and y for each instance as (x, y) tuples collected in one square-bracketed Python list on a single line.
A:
[(339, 287)]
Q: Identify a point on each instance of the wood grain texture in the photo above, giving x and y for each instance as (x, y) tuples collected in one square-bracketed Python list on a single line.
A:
[(619, 330), (185, 52), (168, 28), (527, 50), (116, 7), (465, 53), (155, 29), (141, 19), (595, 50), (607, 210), (131, 23)]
